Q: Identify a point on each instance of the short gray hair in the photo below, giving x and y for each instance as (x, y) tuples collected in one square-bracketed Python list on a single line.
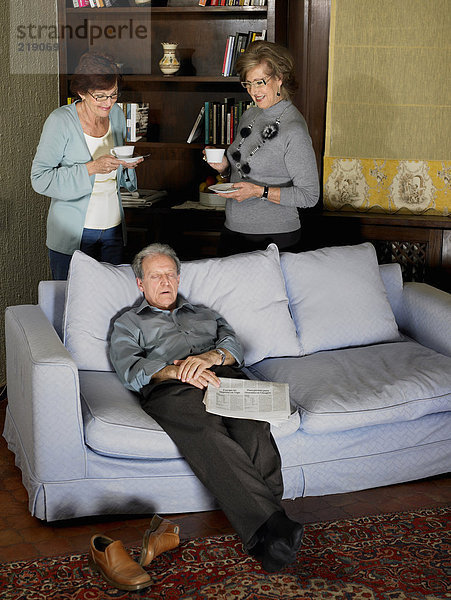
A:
[(154, 250)]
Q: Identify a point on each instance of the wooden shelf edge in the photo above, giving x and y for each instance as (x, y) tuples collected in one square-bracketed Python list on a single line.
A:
[(180, 145), (181, 78), (195, 10), (173, 78), (434, 221)]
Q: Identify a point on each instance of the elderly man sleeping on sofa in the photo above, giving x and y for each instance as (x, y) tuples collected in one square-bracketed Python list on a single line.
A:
[(169, 350)]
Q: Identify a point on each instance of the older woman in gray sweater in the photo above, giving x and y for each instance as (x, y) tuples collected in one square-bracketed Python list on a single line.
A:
[(271, 161)]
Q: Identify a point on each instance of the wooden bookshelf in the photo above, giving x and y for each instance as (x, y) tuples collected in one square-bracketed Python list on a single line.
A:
[(175, 101)]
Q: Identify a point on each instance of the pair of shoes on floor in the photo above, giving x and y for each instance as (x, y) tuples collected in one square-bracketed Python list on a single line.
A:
[(280, 540), (109, 557)]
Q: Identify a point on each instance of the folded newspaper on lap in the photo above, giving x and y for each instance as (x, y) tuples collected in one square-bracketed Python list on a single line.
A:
[(248, 399)]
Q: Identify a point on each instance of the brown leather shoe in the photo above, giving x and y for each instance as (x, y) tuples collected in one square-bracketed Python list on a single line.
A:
[(161, 536), (115, 565)]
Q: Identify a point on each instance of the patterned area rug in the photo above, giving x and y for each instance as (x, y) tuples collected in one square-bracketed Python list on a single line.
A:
[(402, 556)]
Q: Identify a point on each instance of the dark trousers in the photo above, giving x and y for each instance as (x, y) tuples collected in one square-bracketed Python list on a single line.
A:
[(237, 460), (233, 242), (102, 244)]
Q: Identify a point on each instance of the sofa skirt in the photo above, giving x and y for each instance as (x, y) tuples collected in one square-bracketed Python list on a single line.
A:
[(365, 460)]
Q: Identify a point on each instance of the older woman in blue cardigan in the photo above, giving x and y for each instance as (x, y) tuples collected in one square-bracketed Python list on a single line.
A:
[(73, 165)]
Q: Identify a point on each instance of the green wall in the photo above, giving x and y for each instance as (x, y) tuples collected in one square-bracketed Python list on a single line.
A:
[(26, 99)]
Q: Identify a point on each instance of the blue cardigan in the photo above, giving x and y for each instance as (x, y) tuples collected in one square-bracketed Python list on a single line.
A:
[(59, 171)]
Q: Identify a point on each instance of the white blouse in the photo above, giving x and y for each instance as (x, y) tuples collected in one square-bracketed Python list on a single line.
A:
[(103, 208)]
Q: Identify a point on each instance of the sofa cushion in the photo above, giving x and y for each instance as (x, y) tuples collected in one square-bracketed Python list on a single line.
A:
[(391, 275), (96, 294), (339, 390), (337, 298), (248, 290), (116, 425)]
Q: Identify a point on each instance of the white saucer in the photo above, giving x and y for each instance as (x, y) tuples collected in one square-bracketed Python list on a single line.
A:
[(223, 188), (131, 159)]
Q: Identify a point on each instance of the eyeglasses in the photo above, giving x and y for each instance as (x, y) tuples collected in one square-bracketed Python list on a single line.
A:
[(258, 84), (104, 97)]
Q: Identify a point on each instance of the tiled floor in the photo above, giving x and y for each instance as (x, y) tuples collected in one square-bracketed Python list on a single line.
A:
[(23, 536)]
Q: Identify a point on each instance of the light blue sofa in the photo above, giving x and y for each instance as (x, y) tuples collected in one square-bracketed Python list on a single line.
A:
[(371, 406)]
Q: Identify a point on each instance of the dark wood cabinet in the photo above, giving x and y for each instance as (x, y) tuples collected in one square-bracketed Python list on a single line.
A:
[(175, 101), (420, 244)]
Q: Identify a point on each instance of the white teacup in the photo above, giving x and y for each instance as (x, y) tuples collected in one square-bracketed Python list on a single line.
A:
[(123, 151), (214, 155)]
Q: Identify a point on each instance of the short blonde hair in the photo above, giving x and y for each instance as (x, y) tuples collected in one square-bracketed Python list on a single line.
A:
[(278, 59)]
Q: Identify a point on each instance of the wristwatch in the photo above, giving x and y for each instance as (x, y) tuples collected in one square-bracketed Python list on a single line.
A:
[(226, 173), (264, 196), (222, 354)]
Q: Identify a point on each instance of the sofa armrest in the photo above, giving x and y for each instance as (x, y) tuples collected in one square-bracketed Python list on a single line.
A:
[(43, 396), (427, 316)]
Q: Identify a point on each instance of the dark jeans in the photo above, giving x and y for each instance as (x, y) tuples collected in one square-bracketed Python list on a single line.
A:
[(233, 242), (105, 245), (237, 460)]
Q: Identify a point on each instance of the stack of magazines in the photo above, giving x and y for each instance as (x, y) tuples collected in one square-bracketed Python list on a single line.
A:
[(141, 198)]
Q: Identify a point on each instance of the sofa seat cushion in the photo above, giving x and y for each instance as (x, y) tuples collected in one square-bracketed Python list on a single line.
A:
[(115, 424), (338, 390)]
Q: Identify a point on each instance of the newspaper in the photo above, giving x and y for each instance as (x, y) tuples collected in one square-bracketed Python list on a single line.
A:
[(248, 399)]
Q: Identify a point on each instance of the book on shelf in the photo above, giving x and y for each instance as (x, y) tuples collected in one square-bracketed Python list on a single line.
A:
[(228, 54), (198, 126), (137, 119), (93, 3), (206, 122), (240, 46), (220, 120), (232, 2), (235, 46)]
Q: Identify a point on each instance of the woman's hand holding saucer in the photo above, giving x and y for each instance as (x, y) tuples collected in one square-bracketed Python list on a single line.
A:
[(107, 163), (131, 165), (243, 190)]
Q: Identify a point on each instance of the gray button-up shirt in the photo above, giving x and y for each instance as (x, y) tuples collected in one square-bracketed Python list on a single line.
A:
[(146, 339)]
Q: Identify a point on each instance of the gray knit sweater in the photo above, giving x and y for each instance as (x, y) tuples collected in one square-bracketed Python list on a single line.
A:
[(286, 161)]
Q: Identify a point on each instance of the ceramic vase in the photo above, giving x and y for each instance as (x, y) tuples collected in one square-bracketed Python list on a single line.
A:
[(169, 63)]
